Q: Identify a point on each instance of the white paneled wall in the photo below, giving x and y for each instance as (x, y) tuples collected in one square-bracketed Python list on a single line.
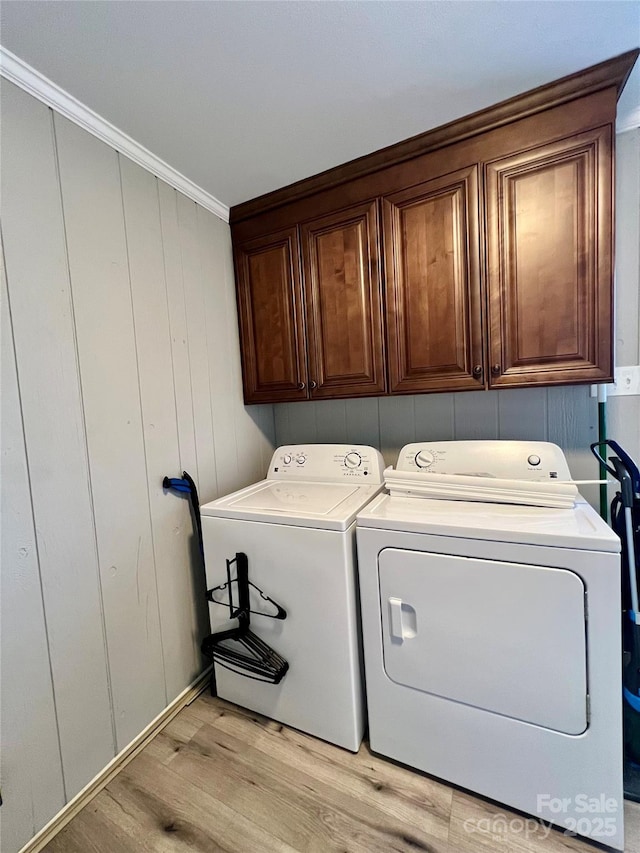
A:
[(43, 330), (566, 416), (30, 737), (624, 412), (120, 364)]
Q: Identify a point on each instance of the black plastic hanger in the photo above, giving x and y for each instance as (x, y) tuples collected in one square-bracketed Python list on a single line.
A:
[(239, 649)]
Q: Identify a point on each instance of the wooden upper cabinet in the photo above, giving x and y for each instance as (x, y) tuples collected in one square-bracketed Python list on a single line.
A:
[(549, 243), (434, 314), (343, 303), (476, 255), (271, 318)]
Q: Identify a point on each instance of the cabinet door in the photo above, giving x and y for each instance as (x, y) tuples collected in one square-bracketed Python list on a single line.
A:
[(549, 262), (432, 251), (271, 318), (344, 315)]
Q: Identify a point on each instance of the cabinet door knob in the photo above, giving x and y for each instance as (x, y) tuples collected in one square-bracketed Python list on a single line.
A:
[(496, 370), (301, 386), (477, 371), (313, 384)]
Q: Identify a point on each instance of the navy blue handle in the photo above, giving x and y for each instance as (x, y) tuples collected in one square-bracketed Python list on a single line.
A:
[(186, 486), (625, 459), (176, 483), (629, 464)]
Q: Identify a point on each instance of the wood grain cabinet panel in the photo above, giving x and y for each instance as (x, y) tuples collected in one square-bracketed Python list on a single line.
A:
[(343, 303), (434, 317), (271, 318), (477, 255), (549, 238)]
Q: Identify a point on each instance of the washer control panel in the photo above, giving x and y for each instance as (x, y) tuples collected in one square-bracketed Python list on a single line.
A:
[(509, 460), (327, 463)]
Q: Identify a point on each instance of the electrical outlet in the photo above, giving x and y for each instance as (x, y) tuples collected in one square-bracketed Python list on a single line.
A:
[(626, 381)]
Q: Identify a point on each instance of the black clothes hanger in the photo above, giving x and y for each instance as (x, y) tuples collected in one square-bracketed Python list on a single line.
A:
[(280, 613), (239, 649)]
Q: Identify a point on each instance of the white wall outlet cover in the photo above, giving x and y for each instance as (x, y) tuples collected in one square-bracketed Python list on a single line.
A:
[(626, 381)]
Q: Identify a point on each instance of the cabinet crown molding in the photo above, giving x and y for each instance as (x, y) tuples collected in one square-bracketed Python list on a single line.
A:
[(610, 73), (19, 72)]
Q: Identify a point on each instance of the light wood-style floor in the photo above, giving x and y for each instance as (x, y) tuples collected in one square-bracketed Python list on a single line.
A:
[(219, 778)]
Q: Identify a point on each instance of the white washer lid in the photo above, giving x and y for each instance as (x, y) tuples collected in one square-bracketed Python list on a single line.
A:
[(329, 506), (314, 499), (580, 527)]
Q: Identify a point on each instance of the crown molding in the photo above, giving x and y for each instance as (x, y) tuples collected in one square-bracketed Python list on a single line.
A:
[(17, 71), (611, 73)]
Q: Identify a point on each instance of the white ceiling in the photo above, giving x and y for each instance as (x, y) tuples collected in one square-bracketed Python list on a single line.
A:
[(245, 97)]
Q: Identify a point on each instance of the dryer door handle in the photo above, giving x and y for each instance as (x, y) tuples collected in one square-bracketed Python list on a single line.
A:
[(402, 619)]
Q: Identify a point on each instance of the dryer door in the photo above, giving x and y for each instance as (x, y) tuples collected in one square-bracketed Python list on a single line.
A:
[(505, 637)]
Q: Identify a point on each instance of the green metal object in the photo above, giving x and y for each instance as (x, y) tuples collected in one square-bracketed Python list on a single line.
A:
[(602, 436)]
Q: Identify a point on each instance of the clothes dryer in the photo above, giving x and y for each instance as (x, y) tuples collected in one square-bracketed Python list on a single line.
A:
[(491, 633)]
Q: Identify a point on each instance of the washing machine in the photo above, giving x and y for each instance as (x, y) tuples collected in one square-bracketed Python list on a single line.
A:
[(297, 530), (491, 630)]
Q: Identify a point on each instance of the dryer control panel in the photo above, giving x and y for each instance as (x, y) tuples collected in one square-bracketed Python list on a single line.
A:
[(334, 463), (512, 460)]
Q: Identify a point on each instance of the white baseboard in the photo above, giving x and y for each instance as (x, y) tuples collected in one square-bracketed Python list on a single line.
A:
[(112, 769)]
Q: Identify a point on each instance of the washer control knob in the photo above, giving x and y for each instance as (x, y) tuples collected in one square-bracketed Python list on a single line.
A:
[(301, 459), (424, 458), (287, 458), (352, 459), (533, 459)]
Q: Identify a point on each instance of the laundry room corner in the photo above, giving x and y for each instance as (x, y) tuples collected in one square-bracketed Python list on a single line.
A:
[(314, 319)]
